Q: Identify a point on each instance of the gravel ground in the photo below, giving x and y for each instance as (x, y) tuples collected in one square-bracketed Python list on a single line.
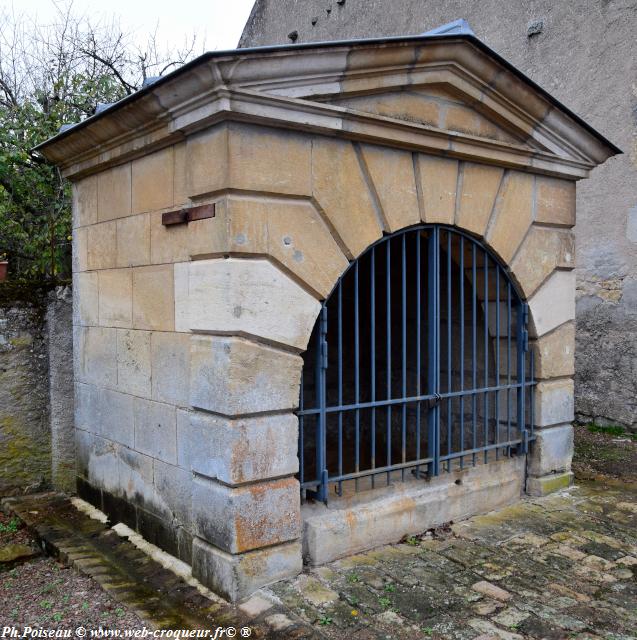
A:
[(43, 593)]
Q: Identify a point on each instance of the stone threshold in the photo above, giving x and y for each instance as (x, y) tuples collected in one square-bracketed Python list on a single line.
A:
[(137, 574)]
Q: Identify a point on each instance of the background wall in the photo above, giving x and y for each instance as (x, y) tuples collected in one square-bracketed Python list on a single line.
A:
[(36, 442), (585, 53)]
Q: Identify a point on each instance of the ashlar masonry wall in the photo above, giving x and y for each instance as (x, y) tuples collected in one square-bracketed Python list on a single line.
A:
[(188, 337)]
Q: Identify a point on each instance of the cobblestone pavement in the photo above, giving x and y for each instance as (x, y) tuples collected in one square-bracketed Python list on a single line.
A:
[(563, 566)]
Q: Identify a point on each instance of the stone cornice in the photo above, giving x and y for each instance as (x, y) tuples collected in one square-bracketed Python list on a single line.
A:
[(291, 89)]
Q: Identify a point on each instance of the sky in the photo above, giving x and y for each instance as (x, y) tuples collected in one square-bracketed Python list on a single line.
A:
[(218, 22)]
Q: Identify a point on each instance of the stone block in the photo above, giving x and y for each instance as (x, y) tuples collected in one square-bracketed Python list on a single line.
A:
[(245, 518), (133, 241), (168, 244), (340, 188), (249, 297), (553, 303), (116, 417), (554, 353), (543, 250), (170, 367), (173, 487), (153, 298), (152, 181), (156, 429), (97, 356), (180, 277), (83, 446), (512, 215), (545, 485), (236, 577), (290, 231), (180, 186), (555, 201), (239, 451), (438, 181), (478, 187), (136, 481), (102, 463), (269, 160), (85, 201), (114, 193), (133, 362), (101, 246), (79, 258), (85, 298), (467, 120), (552, 451), (206, 161), (392, 174), (115, 298), (233, 376), (554, 402), (87, 407)]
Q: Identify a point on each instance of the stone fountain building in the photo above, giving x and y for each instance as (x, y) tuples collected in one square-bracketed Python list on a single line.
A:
[(324, 298)]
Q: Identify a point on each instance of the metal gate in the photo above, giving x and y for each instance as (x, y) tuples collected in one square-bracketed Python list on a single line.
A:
[(418, 364)]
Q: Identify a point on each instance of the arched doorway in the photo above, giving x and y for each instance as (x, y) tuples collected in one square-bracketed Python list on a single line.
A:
[(418, 364)]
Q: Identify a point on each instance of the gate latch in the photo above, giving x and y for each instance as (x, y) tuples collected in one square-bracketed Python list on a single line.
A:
[(433, 402)]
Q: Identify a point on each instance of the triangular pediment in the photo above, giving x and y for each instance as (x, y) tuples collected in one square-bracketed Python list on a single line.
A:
[(434, 107), (448, 95)]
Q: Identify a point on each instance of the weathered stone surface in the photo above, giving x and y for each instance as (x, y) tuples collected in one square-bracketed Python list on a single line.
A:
[(168, 243), (133, 241), (173, 487), (170, 367), (156, 429), (85, 201), (85, 300), (115, 298), (247, 297), (543, 250), (239, 451), (79, 259), (180, 186), (342, 193), (466, 120), (10, 553), (246, 518), (438, 180), (392, 175), (552, 451), (491, 590), (153, 298), (152, 181), (180, 294), (114, 193), (237, 576), (233, 376), (512, 215), (116, 418), (555, 201), (101, 246), (292, 232), (95, 349), (554, 402), (554, 352), (87, 407), (269, 160), (206, 161), (479, 186), (553, 303), (380, 517), (544, 485), (133, 362)]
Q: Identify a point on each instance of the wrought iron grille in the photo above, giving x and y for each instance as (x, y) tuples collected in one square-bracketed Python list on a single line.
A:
[(418, 364)]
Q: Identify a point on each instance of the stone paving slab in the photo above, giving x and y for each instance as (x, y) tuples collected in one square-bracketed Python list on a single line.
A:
[(562, 566), (558, 567)]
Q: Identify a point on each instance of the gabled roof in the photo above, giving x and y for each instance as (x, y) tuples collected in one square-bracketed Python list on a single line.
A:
[(320, 87)]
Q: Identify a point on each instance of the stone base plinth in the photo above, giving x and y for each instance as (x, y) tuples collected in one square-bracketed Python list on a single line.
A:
[(368, 519), (235, 577), (544, 485)]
